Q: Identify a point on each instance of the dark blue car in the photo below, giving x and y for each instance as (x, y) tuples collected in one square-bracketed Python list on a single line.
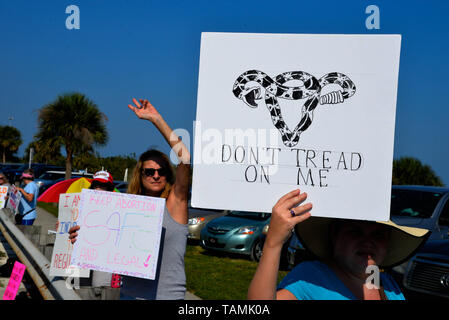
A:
[(413, 206)]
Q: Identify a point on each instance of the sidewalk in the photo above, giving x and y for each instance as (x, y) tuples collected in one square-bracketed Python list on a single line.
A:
[(48, 222)]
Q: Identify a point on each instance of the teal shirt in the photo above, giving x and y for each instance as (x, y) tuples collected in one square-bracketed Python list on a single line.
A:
[(314, 280), (25, 205)]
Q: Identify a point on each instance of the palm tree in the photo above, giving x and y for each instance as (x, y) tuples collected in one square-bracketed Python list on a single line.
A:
[(72, 121), (408, 170), (10, 141), (45, 151)]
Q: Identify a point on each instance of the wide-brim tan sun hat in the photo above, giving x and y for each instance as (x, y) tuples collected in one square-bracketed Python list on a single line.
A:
[(314, 235)]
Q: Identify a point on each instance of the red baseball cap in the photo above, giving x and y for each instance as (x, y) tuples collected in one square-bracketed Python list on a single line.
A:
[(103, 177)]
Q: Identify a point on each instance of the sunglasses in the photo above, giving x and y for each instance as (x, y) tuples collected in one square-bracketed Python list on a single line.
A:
[(101, 185), (149, 172)]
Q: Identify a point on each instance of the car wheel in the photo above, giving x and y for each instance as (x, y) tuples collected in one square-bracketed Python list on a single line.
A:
[(256, 251)]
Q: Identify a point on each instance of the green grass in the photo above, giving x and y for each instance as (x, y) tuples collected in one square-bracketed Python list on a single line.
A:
[(50, 207), (213, 276)]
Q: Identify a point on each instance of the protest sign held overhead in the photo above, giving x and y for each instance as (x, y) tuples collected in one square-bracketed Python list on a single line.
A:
[(278, 112), (119, 233)]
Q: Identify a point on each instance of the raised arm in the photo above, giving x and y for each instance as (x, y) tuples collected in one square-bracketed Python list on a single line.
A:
[(263, 285), (178, 198)]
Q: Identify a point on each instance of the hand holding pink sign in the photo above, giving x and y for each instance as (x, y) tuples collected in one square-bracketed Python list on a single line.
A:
[(119, 233)]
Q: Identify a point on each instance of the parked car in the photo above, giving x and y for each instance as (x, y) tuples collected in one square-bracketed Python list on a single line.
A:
[(414, 206), (121, 186), (237, 232), (49, 178), (422, 207), (295, 252), (8, 165), (198, 218), (14, 172), (427, 272), (10, 169)]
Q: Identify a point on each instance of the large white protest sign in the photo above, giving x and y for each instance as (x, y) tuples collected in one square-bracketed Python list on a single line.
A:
[(278, 112), (119, 233), (3, 194), (14, 197), (68, 212)]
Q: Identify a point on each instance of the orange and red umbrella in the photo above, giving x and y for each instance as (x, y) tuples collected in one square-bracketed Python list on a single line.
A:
[(66, 186)]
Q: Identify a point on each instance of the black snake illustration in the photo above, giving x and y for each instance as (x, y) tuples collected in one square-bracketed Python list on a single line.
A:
[(310, 89)]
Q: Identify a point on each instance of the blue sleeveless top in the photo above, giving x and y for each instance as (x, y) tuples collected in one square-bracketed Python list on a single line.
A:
[(314, 280)]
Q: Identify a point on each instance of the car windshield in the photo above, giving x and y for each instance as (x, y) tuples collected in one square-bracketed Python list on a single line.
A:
[(12, 166), (250, 215), (51, 176), (414, 203)]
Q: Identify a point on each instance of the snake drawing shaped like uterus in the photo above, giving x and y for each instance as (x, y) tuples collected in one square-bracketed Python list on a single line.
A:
[(248, 88)]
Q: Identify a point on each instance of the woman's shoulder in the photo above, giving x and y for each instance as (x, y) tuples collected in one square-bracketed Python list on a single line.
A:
[(305, 271), (313, 280), (310, 265), (32, 186)]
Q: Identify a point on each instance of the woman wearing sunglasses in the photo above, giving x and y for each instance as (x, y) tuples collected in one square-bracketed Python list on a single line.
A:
[(153, 176), (98, 285)]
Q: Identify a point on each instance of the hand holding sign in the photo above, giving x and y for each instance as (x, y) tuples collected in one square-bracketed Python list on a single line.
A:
[(62, 251), (118, 233), (73, 233), (285, 215)]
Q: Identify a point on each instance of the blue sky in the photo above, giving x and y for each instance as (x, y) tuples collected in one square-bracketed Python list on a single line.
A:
[(150, 49)]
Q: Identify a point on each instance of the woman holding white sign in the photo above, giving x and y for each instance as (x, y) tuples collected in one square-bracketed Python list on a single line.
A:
[(348, 255), (153, 177), (98, 285)]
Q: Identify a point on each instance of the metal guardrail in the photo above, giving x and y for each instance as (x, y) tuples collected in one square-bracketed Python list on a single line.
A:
[(38, 266)]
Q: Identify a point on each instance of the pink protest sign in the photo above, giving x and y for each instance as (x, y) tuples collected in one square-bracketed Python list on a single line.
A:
[(14, 281)]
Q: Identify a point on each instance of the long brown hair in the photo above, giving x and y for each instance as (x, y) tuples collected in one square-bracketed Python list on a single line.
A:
[(135, 185)]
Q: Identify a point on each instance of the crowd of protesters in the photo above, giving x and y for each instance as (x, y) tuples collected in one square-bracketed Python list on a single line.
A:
[(344, 249)]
